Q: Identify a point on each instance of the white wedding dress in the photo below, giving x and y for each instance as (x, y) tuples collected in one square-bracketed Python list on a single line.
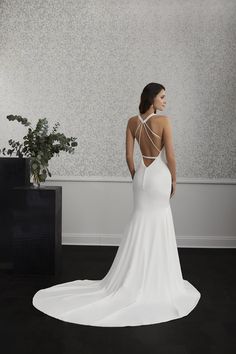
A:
[(144, 284)]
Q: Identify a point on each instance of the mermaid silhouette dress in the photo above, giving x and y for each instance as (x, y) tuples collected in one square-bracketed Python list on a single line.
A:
[(144, 284)]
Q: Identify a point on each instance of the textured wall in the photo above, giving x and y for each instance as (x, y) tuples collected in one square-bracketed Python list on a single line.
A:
[(85, 63)]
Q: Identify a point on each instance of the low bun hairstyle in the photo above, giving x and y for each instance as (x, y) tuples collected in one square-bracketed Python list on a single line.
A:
[(147, 96)]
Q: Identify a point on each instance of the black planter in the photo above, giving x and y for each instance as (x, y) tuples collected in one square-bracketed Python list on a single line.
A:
[(14, 171), (36, 229)]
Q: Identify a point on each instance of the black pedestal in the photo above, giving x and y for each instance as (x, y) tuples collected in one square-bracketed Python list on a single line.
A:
[(36, 230), (14, 171)]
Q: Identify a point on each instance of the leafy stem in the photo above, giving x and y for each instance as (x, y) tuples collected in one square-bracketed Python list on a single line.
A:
[(39, 145)]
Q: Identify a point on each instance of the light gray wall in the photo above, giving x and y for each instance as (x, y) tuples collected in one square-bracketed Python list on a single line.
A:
[(96, 212), (85, 63)]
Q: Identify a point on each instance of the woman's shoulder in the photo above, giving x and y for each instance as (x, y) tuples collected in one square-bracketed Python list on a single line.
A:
[(133, 119)]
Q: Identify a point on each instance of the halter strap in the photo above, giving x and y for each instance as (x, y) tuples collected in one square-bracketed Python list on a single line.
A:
[(144, 120)]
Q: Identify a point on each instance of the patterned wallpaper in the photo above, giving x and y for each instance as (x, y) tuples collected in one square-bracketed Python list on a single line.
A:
[(85, 63)]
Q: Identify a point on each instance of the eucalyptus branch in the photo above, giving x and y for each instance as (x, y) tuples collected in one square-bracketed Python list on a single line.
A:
[(39, 146)]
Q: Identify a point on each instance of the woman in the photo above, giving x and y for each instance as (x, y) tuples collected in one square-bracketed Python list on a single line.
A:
[(144, 284)]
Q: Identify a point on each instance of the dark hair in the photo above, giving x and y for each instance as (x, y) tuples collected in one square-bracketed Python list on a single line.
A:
[(147, 96)]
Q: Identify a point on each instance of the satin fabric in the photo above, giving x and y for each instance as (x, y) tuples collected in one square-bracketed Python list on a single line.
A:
[(144, 284)]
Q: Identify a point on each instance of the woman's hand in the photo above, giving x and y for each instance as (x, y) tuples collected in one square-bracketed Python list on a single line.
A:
[(173, 189)]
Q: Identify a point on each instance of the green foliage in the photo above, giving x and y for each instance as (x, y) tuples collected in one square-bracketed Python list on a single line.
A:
[(39, 146)]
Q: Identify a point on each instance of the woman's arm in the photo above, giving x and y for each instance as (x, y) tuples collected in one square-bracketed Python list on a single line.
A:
[(169, 147), (130, 149)]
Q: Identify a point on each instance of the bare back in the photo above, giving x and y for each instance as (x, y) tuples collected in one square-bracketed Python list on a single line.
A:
[(149, 135)]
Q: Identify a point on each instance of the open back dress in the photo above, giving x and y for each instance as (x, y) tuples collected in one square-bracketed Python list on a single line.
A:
[(144, 284)]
